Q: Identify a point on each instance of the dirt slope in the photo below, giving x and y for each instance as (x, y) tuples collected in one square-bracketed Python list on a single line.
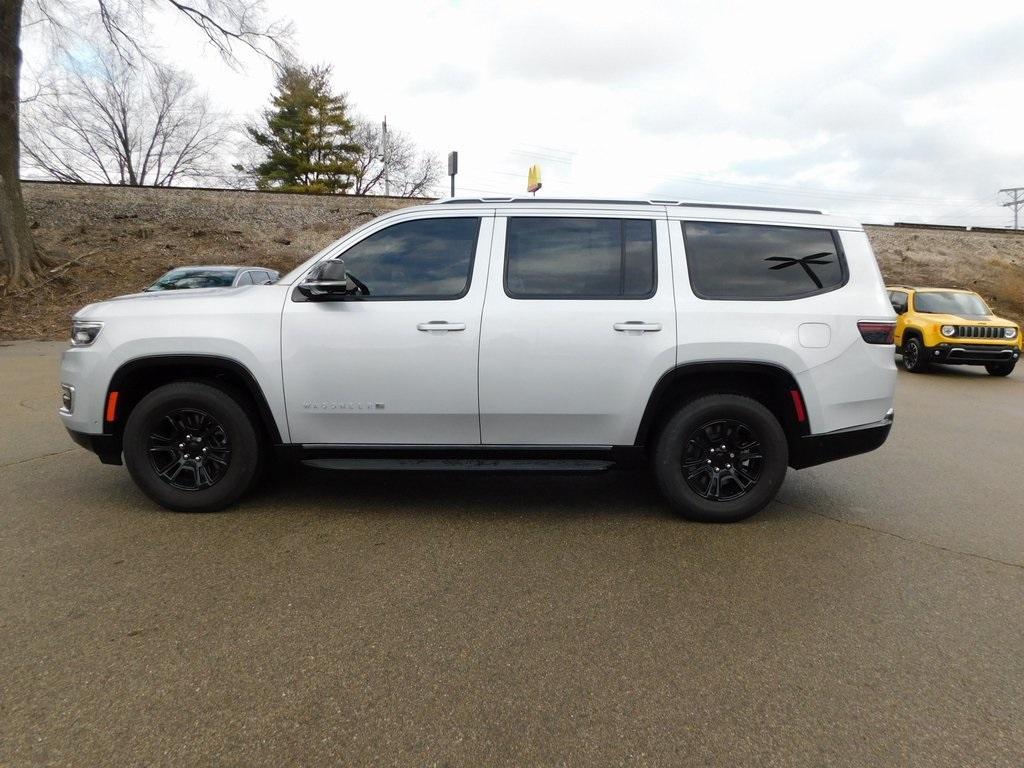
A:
[(990, 263), (122, 239), (117, 240)]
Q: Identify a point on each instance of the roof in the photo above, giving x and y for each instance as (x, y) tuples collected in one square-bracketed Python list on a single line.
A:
[(221, 266), (614, 201), (922, 289)]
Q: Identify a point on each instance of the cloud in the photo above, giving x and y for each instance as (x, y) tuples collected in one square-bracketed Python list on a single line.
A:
[(885, 111), (603, 45), (446, 78)]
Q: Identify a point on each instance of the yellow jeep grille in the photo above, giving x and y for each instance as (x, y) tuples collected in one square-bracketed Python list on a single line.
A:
[(980, 332)]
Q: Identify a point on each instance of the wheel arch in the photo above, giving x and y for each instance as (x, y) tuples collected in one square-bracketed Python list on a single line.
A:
[(140, 376), (771, 385)]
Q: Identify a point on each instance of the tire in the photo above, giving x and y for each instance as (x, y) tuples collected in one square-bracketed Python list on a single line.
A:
[(190, 447), (1000, 369), (687, 449), (913, 356)]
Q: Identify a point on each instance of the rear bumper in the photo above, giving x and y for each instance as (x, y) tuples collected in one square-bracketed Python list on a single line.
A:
[(107, 447), (956, 353), (812, 450)]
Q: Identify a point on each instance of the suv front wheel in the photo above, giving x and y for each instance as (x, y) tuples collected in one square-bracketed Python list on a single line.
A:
[(720, 458), (191, 447), (913, 356), (1000, 369)]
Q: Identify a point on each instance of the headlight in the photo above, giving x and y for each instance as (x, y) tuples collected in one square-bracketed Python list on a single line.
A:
[(1010, 333), (84, 333), (948, 330)]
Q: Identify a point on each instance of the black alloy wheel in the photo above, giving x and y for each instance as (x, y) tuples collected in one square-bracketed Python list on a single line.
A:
[(192, 446), (913, 356), (722, 460), (189, 449)]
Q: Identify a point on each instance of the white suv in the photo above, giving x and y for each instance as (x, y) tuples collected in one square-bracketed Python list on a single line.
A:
[(720, 344)]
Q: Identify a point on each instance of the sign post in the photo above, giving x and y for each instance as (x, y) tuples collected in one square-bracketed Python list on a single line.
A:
[(453, 168)]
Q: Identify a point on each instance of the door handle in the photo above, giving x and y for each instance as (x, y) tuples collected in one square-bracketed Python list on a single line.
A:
[(435, 326), (637, 326)]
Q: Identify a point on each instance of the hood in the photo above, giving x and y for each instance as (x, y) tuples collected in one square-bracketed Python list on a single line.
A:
[(149, 299), (969, 319)]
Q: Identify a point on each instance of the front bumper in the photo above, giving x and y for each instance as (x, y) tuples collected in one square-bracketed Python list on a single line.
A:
[(811, 450), (107, 447), (960, 353)]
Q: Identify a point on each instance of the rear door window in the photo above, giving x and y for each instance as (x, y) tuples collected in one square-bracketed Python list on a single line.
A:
[(579, 258), (761, 262)]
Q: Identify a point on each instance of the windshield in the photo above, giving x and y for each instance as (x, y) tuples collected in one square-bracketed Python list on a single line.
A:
[(942, 303), (177, 279)]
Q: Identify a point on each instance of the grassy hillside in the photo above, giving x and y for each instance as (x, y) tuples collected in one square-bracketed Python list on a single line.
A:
[(116, 240)]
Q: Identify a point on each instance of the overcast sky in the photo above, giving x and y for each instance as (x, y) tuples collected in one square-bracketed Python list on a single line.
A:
[(886, 111)]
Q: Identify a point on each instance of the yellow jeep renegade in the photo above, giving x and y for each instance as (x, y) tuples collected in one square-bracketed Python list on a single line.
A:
[(943, 325)]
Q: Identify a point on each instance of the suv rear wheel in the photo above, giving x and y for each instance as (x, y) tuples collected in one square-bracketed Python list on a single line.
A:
[(720, 458), (913, 356), (191, 447), (1000, 369)]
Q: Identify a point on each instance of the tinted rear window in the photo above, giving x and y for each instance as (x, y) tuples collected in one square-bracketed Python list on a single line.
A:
[(579, 258), (755, 261)]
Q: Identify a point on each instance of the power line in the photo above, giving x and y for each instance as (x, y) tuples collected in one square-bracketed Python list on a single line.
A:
[(1016, 195)]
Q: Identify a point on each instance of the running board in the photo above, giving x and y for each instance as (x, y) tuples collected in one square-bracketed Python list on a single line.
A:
[(463, 465)]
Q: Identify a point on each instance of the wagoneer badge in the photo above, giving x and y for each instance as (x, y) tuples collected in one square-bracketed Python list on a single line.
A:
[(352, 406)]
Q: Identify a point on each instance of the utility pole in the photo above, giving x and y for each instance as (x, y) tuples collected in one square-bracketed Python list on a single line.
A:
[(1015, 201), (384, 154)]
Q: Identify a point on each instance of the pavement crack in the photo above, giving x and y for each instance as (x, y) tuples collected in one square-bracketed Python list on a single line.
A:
[(37, 458), (908, 539)]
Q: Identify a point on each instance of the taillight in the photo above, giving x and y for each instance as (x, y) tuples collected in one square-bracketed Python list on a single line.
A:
[(874, 332)]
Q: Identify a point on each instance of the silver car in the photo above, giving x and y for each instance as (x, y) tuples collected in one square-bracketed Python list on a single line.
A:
[(213, 277)]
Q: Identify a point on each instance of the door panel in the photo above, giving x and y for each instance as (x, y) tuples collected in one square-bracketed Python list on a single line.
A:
[(393, 372), (559, 371)]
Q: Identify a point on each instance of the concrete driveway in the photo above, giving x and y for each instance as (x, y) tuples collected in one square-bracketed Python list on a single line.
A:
[(873, 615)]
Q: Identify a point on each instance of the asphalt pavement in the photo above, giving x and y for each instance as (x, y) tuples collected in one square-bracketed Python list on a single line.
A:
[(872, 616)]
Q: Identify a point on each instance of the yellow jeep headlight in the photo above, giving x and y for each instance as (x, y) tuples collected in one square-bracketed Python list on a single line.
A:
[(1010, 333), (948, 330)]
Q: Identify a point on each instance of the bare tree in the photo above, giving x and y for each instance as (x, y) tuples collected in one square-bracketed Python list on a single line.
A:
[(396, 160), (229, 26), (109, 121)]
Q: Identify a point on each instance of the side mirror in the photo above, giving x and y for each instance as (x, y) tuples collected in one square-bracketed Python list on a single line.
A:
[(329, 281)]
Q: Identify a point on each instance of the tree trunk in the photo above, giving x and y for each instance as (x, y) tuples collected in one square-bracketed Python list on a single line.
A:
[(19, 255)]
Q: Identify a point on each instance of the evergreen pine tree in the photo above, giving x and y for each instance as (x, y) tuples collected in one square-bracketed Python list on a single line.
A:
[(306, 135)]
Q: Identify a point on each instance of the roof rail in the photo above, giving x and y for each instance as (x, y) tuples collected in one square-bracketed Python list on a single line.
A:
[(578, 200)]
